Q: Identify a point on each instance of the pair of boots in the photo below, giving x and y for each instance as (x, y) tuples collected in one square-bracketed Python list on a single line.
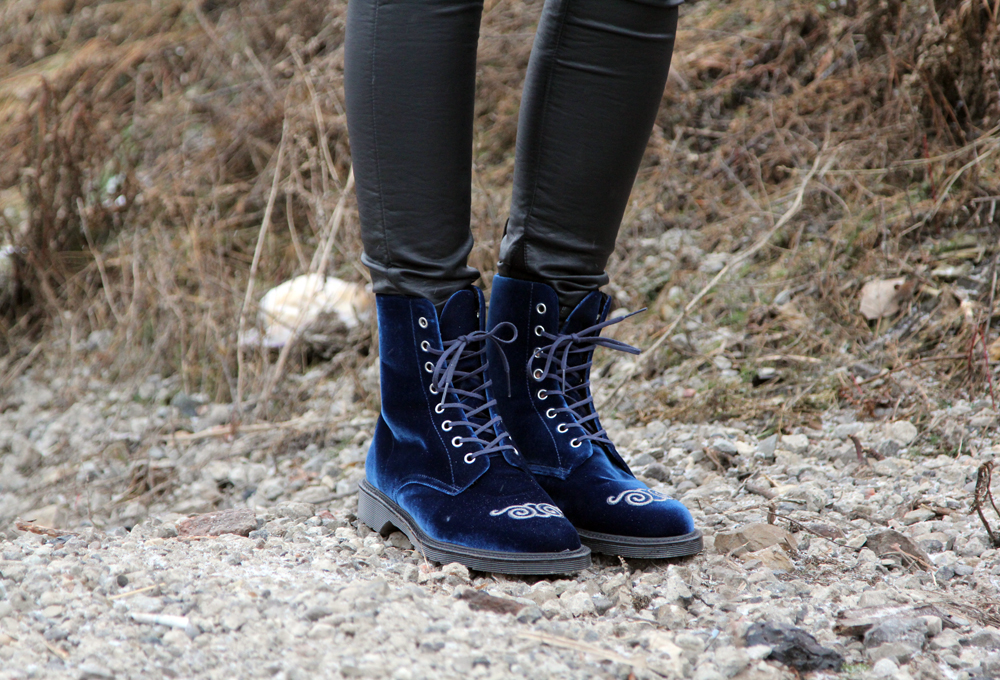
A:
[(488, 450)]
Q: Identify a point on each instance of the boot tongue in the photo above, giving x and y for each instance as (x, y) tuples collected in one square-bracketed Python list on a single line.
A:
[(459, 315), (592, 310)]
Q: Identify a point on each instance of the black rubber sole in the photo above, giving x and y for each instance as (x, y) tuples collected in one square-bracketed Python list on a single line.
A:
[(642, 548), (379, 512)]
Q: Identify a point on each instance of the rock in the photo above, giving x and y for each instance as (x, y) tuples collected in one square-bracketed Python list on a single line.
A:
[(846, 430), (903, 431), (774, 558), (529, 614), (731, 661), (918, 515), (398, 539), (971, 547), (602, 604), (885, 668), (767, 446), (656, 471), (480, 601), (889, 448), (793, 647), (796, 443), (579, 604), (459, 571), (936, 541), (753, 537), (724, 446), (909, 631), (239, 522), (891, 543), (987, 638), (900, 652), (94, 671)]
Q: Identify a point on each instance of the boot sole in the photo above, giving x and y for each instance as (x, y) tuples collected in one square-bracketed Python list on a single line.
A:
[(379, 512), (642, 548)]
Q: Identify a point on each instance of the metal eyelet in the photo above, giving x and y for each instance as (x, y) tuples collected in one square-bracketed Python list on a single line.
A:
[(551, 413), (562, 427), (446, 426), (540, 308), (537, 353), (469, 459), (575, 443), (439, 408), (425, 345), (539, 330), (537, 374), (516, 452), (543, 395), (422, 322), (456, 442), (429, 367), (433, 388)]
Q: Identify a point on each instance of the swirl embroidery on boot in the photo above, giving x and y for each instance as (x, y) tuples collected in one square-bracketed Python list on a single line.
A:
[(638, 497), (528, 510)]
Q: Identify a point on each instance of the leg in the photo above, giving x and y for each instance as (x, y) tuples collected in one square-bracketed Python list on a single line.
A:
[(594, 83), (410, 72), (441, 467)]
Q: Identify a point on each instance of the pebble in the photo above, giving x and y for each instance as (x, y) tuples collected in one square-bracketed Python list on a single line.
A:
[(312, 592)]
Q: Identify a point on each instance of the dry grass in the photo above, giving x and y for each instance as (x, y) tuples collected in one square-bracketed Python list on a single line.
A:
[(139, 146)]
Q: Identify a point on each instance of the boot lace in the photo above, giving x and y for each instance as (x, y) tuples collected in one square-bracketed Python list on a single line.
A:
[(468, 389), (563, 362)]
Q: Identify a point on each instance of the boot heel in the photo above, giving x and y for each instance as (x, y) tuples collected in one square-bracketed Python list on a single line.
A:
[(374, 514)]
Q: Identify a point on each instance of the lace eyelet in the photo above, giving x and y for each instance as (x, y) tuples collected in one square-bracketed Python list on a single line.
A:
[(537, 353), (537, 374), (446, 426), (425, 345), (429, 367), (433, 388), (516, 452), (562, 428), (539, 330), (469, 459), (540, 308), (551, 413), (575, 443), (422, 322), (456, 442), (438, 408), (543, 395)]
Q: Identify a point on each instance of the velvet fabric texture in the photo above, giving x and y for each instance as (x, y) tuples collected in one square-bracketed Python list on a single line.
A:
[(464, 489), (553, 423)]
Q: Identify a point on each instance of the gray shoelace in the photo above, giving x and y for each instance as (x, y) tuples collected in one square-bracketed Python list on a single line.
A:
[(559, 355), (468, 389)]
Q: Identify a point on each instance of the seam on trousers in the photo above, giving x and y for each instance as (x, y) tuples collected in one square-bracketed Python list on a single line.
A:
[(378, 165), (541, 124)]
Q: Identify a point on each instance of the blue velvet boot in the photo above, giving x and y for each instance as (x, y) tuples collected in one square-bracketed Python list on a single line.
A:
[(551, 417), (441, 467)]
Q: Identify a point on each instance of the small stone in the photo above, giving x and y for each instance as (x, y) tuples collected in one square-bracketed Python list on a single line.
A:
[(398, 539), (656, 471), (793, 647), (796, 443), (480, 601), (889, 448), (987, 638), (773, 557), (457, 570), (176, 638), (94, 671), (579, 604), (529, 614), (731, 661), (900, 652), (240, 522), (641, 459), (974, 546), (846, 430), (918, 515), (724, 446), (893, 544), (903, 431), (936, 541), (602, 604), (885, 668), (767, 446), (318, 612), (753, 537)]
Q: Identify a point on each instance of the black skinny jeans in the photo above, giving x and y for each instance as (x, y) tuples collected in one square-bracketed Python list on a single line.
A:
[(591, 92)]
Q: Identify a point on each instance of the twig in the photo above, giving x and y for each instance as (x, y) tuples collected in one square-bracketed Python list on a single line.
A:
[(983, 479), (130, 593), (566, 643), (911, 364), (41, 530), (986, 331), (610, 401), (105, 284), (247, 299), (20, 367)]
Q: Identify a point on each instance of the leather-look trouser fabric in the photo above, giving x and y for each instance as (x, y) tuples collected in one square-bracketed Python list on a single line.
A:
[(594, 82)]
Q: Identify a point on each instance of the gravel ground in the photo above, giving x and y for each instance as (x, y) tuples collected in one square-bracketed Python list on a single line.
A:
[(119, 591)]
